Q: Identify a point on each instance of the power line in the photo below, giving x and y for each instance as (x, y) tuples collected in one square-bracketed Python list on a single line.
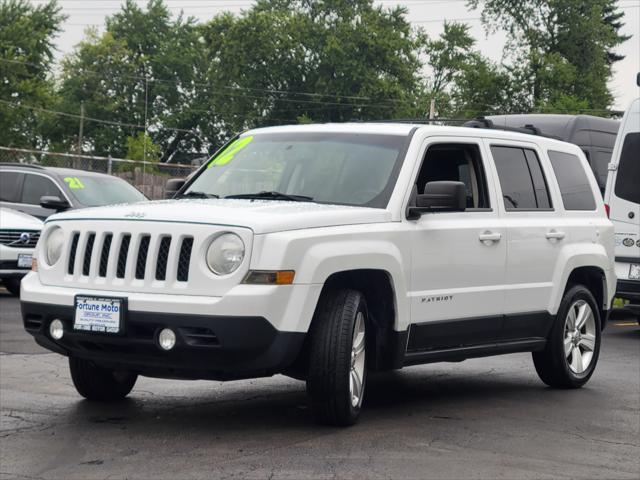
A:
[(87, 119), (392, 102)]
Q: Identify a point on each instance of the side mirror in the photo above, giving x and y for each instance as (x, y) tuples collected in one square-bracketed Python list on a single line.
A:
[(173, 186), (53, 202), (442, 196)]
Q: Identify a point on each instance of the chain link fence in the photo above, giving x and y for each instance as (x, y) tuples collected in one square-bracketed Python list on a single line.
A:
[(149, 177)]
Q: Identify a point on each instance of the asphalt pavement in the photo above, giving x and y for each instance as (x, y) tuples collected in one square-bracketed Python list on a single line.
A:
[(484, 418)]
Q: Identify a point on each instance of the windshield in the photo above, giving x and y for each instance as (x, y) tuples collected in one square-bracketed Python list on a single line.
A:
[(95, 191), (347, 169)]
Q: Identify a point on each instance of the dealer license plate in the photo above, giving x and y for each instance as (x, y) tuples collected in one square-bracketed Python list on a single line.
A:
[(634, 271), (24, 260), (102, 315)]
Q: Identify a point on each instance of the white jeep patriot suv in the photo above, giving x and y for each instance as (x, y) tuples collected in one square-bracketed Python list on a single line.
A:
[(324, 252)]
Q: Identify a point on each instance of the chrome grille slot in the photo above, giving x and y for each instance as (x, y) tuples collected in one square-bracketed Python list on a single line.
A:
[(141, 263), (15, 238), (184, 259), (72, 253), (88, 251), (163, 258), (104, 256), (122, 256)]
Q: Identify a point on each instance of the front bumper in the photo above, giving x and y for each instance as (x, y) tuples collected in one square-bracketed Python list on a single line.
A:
[(9, 261), (253, 331), (207, 347), (629, 290)]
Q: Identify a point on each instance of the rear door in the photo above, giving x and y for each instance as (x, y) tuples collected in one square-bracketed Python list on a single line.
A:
[(535, 235), (624, 203)]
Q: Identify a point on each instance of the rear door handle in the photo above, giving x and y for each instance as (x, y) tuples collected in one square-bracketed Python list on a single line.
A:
[(555, 235), (489, 237)]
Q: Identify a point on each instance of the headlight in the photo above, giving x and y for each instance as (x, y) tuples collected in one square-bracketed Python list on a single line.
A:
[(225, 254), (53, 247)]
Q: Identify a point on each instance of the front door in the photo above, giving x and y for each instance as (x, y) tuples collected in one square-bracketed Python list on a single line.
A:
[(458, 258)]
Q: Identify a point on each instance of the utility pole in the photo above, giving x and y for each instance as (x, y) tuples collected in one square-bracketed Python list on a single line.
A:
[(432, 109), (80, 134)]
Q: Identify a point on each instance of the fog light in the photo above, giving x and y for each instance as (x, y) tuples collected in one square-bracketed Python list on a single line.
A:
[(167, 339), (56, 329)]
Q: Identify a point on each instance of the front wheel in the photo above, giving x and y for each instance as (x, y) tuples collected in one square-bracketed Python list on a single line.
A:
[(573, 346), (337, 373), (100, 384)]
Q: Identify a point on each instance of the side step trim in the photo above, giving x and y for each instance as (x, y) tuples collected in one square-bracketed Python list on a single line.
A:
[(475, 351)]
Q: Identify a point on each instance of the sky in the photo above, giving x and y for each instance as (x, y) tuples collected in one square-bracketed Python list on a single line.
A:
[(429, 14)]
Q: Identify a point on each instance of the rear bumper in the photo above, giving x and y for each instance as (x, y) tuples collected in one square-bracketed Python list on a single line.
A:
[(208, 346)]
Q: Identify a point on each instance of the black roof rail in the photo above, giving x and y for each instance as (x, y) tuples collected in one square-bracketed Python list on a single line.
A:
[(425, 121), (482, 122), (18, 164)]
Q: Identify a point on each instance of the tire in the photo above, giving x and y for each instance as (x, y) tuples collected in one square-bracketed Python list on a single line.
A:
[(562, 363), (337, 357), (12, 285), (100, 384)]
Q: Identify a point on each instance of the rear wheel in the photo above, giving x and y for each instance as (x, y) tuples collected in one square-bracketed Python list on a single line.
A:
[(573, 346), (12, 285), (337, 373), (100, 384)]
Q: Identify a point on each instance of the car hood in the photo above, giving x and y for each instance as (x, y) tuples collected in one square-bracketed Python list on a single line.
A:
[(261, 216), (14, 220)]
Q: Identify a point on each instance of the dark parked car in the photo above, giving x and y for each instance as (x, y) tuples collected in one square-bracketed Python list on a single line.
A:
[(43, 191), (594, 135)]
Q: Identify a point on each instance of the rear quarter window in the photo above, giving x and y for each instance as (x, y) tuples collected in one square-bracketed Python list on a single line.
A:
[(628, 178), (573, 181)]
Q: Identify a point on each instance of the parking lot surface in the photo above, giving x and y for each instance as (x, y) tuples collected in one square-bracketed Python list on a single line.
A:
[(484, 418)]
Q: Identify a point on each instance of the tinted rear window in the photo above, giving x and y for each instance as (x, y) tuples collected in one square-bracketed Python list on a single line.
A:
[(573, 181), (521, 178), (628, 179), (10, 186)]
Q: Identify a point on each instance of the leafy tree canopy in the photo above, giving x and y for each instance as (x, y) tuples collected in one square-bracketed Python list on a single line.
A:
[(26, 54)]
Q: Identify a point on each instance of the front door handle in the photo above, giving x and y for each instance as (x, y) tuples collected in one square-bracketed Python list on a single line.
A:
[(555, 235), (489, 237)]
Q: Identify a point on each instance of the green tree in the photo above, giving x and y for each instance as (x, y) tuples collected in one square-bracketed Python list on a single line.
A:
[(463, 83), (334, 60), (565, 47), (26, 54), (139, 72)]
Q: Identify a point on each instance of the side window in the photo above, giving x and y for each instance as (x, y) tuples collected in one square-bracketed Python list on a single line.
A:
[(521, 179), (572, 180), (457, 163), (37, 186), (10, 186), (628, 176)]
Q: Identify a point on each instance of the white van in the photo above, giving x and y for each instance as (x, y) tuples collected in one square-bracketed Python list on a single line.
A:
[(622, 197)]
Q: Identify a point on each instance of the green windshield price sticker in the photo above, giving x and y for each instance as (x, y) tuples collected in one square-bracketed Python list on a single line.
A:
[(227, 154), (74, 183)]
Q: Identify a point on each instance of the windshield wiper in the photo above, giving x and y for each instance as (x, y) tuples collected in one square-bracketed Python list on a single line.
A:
[(272, 195), (197, 195)]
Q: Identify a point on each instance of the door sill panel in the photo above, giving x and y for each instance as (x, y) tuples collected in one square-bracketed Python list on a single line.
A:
[(457, 354)]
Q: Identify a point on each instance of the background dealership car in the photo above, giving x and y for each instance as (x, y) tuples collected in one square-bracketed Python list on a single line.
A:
[(19, 235), (42, 191), (623, 201)]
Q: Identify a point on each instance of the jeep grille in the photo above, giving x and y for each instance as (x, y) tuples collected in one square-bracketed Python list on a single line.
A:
[(95, 252)]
